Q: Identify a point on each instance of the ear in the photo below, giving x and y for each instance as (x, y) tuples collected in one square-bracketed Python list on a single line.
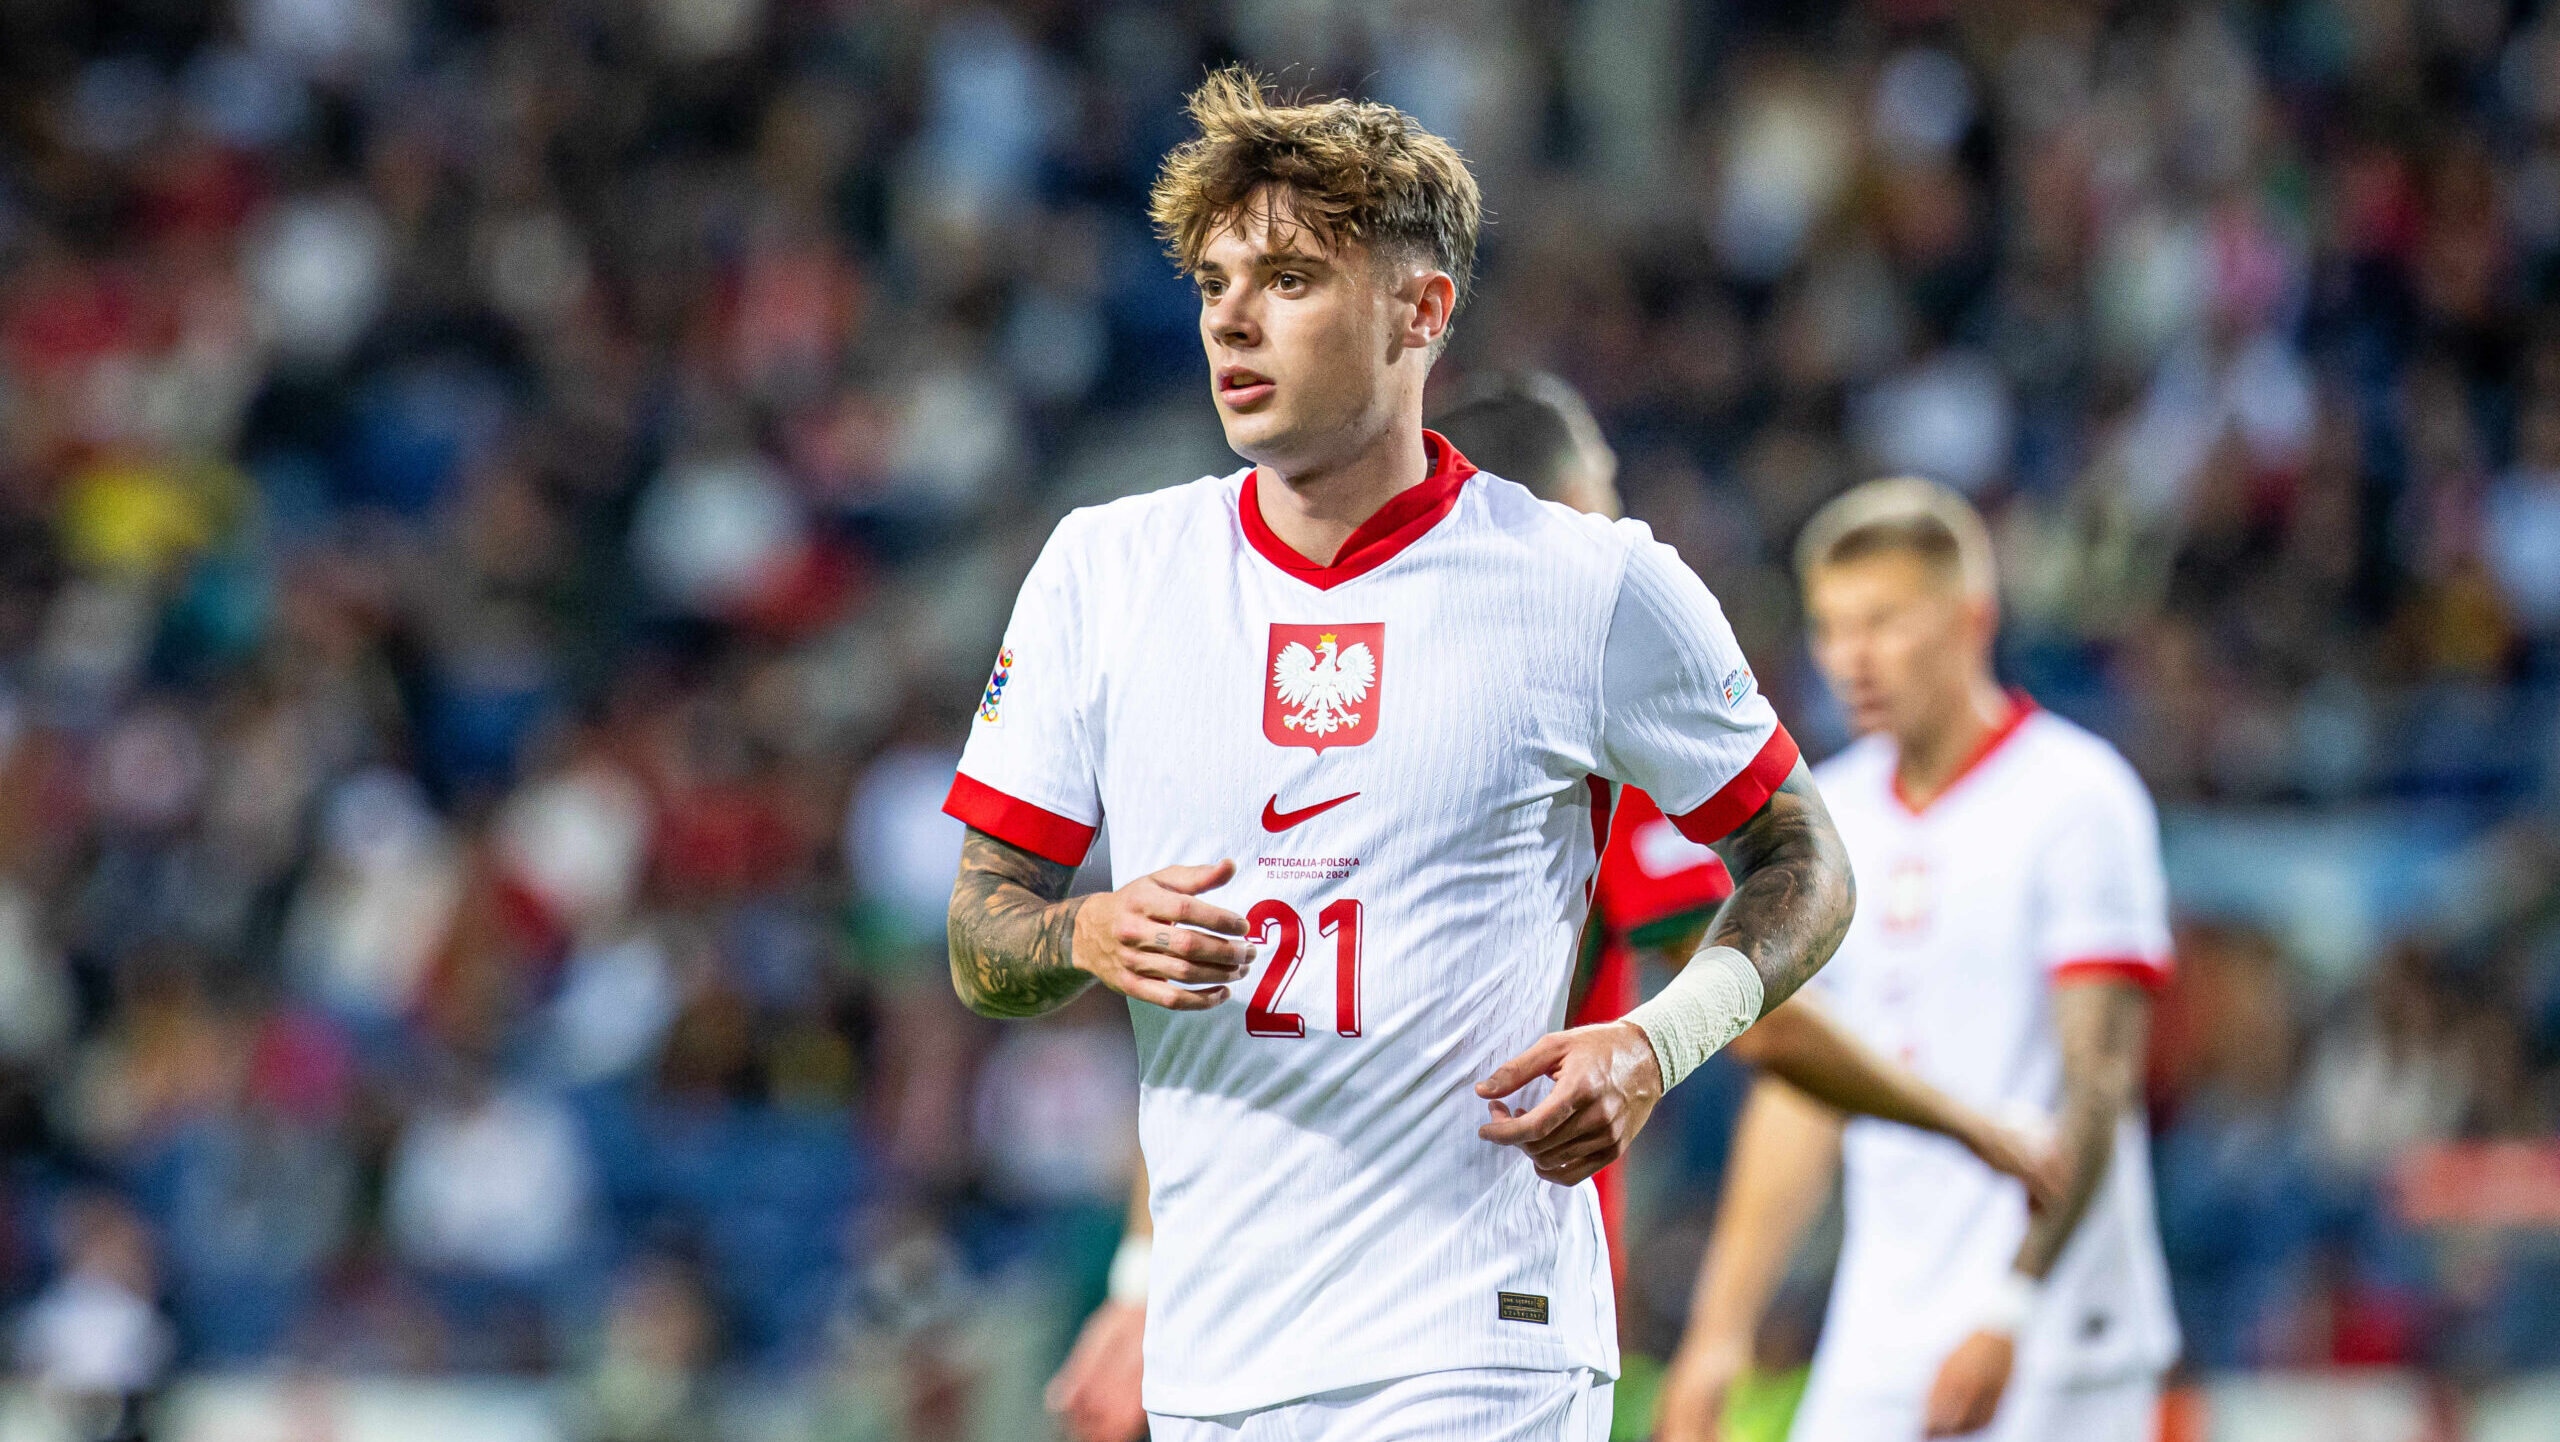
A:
[(1982, 621), (1433, 296)]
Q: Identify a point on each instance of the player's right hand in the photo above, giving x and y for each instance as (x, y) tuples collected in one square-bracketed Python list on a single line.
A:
[(1154, 939), (1694, 1389), (1095, 1394)]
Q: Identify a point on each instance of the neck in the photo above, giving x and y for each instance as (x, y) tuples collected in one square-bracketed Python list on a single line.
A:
[(1316, 508), (1933, 755)]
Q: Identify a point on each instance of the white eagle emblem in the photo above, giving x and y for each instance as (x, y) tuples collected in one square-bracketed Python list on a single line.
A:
[(1324, 684)]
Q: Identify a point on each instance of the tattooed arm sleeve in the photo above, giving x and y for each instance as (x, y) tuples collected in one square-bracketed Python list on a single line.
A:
[(1012, 930), (2104, 1025), (1792, 891)]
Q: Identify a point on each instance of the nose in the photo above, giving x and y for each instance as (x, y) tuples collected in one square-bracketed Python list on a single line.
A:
[(1229, 319)]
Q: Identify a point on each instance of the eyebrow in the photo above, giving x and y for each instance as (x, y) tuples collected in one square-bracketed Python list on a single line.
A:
[(1267, 260)]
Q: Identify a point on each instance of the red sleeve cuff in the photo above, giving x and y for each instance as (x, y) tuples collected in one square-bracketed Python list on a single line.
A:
[(1016, 822), (1742, 797), (2143, 972)]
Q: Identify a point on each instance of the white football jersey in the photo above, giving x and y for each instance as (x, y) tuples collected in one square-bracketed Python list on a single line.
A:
[(2040, 864), (1408, 754)]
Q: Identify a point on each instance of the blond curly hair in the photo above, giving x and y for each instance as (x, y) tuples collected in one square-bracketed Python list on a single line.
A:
[(1347, 170)]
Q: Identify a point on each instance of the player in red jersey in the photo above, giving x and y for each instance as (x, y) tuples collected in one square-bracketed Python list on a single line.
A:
[(1655, 893), (1657, 888)]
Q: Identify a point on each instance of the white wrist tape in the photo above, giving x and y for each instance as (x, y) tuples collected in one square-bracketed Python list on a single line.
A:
[(1712, 1001), (2006, 1309), (1129, 1269)]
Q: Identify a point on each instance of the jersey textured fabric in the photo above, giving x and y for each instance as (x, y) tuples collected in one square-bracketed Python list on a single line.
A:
[(1654, 883), (1476, 1404), (1408, 754), (2039, 863)]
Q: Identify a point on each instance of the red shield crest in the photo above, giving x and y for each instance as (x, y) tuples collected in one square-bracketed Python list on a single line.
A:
[(1320, 684)]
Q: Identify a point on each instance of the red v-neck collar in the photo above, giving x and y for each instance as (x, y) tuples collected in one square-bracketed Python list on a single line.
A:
[(1398, 524), (2021, 707)]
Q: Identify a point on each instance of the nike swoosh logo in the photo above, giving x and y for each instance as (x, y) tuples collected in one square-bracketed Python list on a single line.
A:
[(1275, 819)]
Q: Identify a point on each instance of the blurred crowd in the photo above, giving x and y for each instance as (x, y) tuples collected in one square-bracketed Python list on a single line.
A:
[(505, 508)]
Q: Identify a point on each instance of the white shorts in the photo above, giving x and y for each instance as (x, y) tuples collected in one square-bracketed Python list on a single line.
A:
[(2119, 1411), (1476, 1404)]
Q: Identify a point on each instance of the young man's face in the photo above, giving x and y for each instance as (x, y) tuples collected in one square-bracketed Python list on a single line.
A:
[(1308, 344), (1897, 638)]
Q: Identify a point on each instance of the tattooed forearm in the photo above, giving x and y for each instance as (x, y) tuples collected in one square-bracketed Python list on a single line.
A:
[(1792, 893), (1012, 930), (2104, 1025)]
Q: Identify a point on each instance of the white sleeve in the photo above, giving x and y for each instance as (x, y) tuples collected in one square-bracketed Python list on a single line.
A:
[(1682, 716), (1027, 775), (2101, 898)]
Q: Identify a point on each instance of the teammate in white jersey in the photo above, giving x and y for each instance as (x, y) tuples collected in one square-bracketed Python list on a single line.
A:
[(1353, 715), (2014, 925)]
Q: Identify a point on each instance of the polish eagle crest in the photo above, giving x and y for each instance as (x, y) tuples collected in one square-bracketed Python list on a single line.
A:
[(1323, 684)]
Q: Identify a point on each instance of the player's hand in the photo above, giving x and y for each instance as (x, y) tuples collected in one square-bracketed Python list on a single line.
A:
[(1095, 1394), (2012, 1151), (1607, 1081), (1154, 938), (1967, 1391), (1694, 1388)]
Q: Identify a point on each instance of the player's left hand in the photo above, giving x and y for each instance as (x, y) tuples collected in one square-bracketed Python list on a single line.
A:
[(1967, 1392), (1607, 1081), (2016, 1152)]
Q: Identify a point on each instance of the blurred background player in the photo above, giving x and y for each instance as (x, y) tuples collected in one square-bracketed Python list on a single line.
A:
[(2012, 927), (1656, 892)]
